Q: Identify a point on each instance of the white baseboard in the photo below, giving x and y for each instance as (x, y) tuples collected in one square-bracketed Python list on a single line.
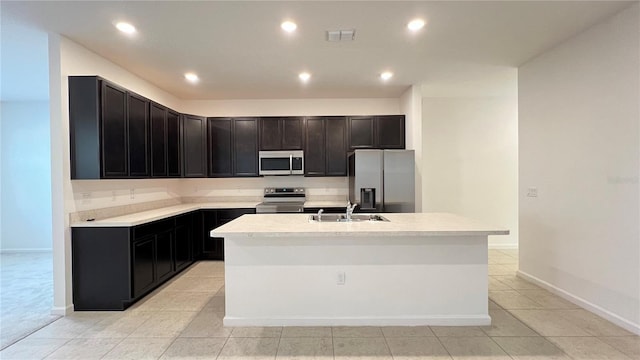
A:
[(22, 251), (461, 320), (606, 314), (503, 246), (62, 310)]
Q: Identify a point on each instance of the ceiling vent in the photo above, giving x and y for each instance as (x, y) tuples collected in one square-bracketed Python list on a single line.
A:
[(341, 35)]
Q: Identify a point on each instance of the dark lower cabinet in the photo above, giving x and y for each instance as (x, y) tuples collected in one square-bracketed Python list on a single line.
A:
[(114, 267), (142, 265), (183, 241), (212, 248), (165, 258)]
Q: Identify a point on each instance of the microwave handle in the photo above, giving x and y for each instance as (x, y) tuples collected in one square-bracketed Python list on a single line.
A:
[(290, 164)]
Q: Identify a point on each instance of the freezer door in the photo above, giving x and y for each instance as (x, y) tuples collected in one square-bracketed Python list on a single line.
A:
[(399, 181), (367, 168)]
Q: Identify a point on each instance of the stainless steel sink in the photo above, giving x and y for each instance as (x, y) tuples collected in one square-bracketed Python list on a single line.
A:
[(343, 218)]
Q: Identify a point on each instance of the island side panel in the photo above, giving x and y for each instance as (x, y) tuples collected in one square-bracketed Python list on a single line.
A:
[(293, 281)]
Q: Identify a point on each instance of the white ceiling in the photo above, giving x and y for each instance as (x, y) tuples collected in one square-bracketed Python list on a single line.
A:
[(240, 52)]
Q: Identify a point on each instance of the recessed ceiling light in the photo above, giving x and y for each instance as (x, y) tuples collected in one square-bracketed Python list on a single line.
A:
[(289, 26), (191, 77), (304, 76), (386, 75), (126, 28), (416, 24)]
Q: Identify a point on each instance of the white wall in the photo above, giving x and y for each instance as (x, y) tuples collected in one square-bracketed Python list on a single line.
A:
[(411, 104), (470, 164), (580, 146), (26, 176), (292, 107)]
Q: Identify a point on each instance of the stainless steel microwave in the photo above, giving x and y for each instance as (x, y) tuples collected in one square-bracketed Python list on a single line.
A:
[(282, 162)]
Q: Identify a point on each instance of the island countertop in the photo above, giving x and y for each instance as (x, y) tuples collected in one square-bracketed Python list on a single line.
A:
[(405, 224)]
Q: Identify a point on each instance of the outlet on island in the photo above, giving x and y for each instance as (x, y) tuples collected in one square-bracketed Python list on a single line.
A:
[(340, 278)]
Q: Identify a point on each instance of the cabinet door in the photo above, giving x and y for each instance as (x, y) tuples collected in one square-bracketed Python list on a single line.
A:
[(314, 155), (390, 132), (194, 146), (198, 233), (173, 144), (114, 132), (142, 257), (183, 241), (245, 146), (292, 134), (361, 132), (208, 245), (220, 147), (138, 121), (270, 133), (164, 255), (158, 114), (336, 149)]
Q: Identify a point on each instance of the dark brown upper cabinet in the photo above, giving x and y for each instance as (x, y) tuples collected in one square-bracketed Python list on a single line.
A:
[(326, 146), (115, 163), (281, 133), (194, 146), (165, 142), (390, 133), (109, 130), (376, 132), (233, 147), (138, 129)]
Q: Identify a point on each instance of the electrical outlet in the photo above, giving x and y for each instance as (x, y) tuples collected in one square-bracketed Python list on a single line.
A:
[(532, 192), (340, 278), (132, 193), (86, 198), (113, 195)]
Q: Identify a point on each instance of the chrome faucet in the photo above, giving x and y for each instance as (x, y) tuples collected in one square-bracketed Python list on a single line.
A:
[(320, 214), (350, 209)]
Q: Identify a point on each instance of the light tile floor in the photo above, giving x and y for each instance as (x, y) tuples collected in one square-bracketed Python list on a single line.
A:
[(26, 294), (183, 320)]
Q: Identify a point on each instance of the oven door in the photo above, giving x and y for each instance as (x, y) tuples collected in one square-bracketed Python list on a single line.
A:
[(282, 207), (281, 162)]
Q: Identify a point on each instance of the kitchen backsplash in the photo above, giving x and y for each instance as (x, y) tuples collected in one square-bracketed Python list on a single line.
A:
[(101, 199)]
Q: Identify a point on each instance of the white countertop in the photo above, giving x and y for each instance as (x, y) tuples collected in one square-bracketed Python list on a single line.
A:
[(161, 213), (165, 212), (409, 224)]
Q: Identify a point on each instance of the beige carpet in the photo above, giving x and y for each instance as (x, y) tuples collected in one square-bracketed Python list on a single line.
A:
[(26, 294)]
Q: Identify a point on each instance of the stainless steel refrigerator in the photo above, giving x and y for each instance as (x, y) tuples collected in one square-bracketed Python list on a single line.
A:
[(382, 180)]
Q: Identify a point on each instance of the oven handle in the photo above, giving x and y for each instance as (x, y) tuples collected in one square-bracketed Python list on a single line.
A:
[(290, 164)]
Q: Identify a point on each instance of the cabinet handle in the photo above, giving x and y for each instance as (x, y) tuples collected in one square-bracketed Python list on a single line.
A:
[(290, 164)]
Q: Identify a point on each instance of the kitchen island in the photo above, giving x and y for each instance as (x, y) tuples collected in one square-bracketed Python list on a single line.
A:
[(415, 269)]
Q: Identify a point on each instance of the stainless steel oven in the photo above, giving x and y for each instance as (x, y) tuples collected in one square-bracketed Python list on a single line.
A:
[(281, 162), (282, 200)]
